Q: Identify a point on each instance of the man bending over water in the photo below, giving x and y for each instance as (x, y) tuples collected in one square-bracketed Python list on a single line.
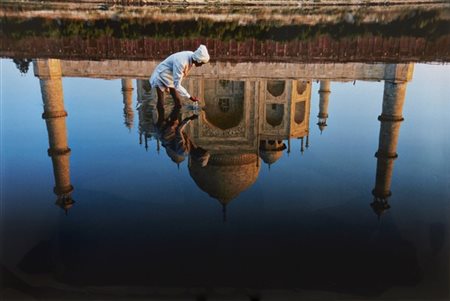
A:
[(168, 75)]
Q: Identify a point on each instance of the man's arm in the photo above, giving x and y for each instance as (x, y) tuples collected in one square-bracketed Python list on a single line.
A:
[(178, 77)]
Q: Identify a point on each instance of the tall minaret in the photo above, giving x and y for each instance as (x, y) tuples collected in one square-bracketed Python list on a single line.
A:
[(324, 92), (49, 72), (127, 91), (390, 118)]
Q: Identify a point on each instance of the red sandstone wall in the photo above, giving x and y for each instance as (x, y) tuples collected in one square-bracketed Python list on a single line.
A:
[(322, 49)]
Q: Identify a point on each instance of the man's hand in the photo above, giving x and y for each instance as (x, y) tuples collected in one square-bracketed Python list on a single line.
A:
[(194, 99)]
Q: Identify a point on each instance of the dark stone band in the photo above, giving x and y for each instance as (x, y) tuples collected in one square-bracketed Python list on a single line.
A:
[(322, 115), (58, 151), (54, 114), (390, 118), (382, 155), (381, 194), (63, 190)]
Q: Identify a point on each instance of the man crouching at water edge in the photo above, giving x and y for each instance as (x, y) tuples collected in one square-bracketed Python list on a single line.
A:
[(168, 75)]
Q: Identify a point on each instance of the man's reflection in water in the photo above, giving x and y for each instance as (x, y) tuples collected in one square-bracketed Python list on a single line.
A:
[(170, 130), (177, 143)]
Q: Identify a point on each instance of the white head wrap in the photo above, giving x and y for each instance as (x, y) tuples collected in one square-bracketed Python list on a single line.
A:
[(201, 54)]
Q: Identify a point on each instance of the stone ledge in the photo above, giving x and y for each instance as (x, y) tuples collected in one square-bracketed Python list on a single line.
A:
[(142, 69)]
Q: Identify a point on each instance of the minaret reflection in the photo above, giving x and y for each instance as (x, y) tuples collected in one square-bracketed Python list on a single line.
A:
[(146, 112), (127, 92), (55, 118), (390, 118), (324, 92)]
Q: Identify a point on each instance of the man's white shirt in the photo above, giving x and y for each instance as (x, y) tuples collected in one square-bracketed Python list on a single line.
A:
[(170, 72)]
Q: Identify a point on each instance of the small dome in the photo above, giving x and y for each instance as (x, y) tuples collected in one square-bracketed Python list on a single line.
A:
[(270, 150), (177, 158), (226, 175), (270, 157)]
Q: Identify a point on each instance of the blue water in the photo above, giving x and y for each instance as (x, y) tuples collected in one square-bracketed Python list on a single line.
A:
[(305, 224)]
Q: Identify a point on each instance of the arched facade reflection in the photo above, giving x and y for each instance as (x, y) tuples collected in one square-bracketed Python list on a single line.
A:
[(224, 101), (236, 152)]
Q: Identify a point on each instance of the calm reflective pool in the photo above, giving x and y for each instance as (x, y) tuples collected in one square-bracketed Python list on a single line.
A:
[(318, 171), (283, 203)]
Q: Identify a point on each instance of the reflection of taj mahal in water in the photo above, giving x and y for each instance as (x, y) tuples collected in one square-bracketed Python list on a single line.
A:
[(252, 110), (243, 121)]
